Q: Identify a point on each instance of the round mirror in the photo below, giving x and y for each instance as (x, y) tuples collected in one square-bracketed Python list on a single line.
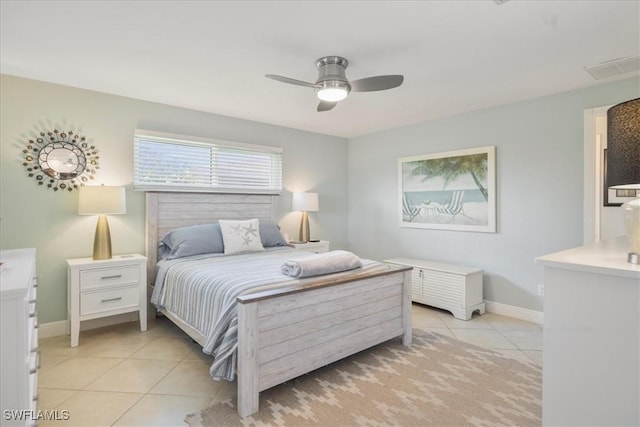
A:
[(61, 160)]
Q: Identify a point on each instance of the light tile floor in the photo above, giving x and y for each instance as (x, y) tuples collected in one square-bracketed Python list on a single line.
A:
[(119, 376)]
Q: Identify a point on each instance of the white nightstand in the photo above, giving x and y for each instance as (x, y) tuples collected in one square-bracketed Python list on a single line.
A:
[(315, 247), (103, 288)]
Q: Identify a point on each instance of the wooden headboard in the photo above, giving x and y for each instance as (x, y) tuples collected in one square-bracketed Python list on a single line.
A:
[(168, 210)]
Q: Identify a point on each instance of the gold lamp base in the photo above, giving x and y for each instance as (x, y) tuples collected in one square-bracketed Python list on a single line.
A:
[(303, 235), (102, 239)]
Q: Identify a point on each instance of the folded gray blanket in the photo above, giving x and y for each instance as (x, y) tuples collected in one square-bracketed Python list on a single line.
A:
[(319, 264)]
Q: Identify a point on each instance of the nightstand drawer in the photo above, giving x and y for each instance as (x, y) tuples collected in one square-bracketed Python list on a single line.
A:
[(110, 299), (112, 276), (315, 249), (312, 247)]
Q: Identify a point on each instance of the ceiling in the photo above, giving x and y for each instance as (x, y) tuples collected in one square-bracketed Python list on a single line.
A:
[(212, 56)]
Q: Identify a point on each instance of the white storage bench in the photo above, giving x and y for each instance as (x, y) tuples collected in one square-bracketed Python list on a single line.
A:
[(454, 288)]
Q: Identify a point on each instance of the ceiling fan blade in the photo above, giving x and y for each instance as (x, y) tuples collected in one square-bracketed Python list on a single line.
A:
[(370, 84), (326, 105), (290, 80)]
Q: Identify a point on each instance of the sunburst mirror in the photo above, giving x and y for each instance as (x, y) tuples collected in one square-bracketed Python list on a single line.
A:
[(60, 160)]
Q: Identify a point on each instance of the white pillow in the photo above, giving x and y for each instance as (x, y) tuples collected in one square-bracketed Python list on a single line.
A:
[(241, 236)]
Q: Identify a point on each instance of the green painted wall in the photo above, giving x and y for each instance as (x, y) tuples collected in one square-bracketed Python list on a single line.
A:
[(539, 154), (33, 216), (540, 166)]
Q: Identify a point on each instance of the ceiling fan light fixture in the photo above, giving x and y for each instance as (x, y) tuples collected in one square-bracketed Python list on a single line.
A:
[(332, 94), (333, 90), (332, 84)]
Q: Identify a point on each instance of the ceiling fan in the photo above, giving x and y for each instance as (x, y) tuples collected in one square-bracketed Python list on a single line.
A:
[(332, 84)]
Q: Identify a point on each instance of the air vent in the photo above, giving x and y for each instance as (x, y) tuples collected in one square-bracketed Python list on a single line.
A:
[(614, 68)]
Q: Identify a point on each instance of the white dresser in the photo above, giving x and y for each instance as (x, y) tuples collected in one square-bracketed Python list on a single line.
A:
[(454, 288), (591, 356), (19, 335), (100, 288)]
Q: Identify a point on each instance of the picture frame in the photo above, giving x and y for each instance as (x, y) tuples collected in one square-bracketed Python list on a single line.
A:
[(453, 190)]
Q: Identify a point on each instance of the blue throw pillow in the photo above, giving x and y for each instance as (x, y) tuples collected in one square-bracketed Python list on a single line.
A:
[(191, 240), (270, 235)]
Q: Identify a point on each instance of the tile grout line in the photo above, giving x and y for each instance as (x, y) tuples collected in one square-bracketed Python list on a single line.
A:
[(142, 395)]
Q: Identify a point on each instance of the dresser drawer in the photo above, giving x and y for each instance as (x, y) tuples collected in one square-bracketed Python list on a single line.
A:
[(33, 375), (113, 276), (109, 300)]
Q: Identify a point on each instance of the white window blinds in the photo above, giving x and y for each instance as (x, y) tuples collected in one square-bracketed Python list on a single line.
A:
[(183, 163)]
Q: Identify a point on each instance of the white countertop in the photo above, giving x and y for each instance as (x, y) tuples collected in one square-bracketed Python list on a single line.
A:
[(15, 270), (608, 257)]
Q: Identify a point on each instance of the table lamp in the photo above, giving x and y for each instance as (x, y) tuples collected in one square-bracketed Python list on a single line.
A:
[(101, 200), (305, 202), (632, 224)]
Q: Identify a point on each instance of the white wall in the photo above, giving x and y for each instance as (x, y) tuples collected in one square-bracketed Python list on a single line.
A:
[(539, 188), (33, 216)]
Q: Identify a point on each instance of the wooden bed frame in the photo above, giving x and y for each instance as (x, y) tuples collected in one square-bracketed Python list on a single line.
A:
[(287, 332)]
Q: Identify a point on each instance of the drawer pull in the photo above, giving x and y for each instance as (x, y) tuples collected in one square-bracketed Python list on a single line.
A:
[(32, 301), (111, 299), (115, 276), (36, 398), (34, 314), (33, 371)]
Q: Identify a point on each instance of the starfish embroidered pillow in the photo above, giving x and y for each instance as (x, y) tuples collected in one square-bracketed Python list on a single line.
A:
[(241, 236)]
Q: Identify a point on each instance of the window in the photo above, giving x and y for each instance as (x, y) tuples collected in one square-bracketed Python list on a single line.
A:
[(183, 163)]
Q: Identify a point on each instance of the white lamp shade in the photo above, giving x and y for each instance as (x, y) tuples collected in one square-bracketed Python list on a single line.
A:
[(101, 200), (307, 202)]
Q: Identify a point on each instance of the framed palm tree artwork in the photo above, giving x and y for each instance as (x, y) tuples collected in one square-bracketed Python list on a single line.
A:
[(455, 190)]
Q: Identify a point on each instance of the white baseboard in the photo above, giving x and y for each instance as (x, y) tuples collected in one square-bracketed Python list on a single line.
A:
[(61, 327), (53, 329), (515, 312)]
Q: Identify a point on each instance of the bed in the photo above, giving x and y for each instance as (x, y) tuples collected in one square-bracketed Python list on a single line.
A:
[(297, 326)]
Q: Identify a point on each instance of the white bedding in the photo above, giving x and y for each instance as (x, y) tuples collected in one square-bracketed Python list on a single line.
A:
[(202, 291)]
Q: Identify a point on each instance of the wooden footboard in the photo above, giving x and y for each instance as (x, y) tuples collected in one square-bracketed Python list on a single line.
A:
[(285, 333)]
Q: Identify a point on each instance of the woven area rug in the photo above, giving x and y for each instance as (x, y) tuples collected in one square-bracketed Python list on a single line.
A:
[(436, 381)]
